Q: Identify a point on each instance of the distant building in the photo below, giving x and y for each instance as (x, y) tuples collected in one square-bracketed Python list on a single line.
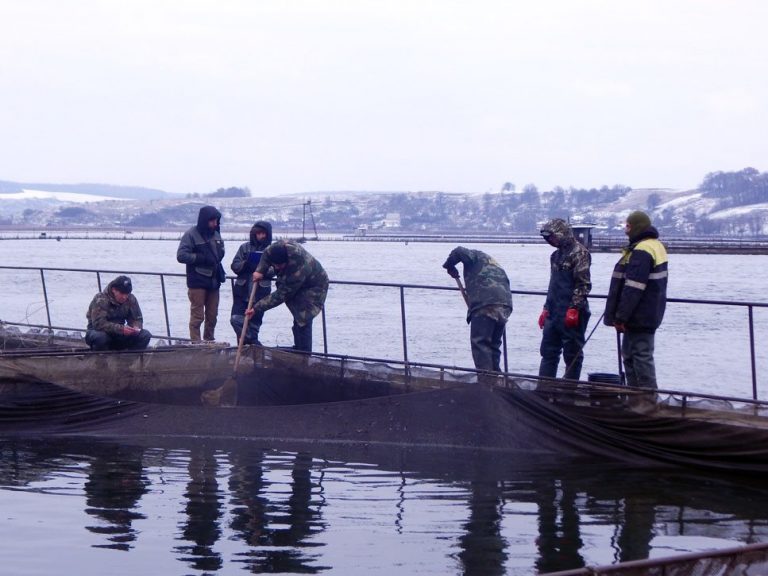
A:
[(583, 233), (391, 220)]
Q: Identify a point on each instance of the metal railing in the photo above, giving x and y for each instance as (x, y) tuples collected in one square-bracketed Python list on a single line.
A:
[(402, 288)]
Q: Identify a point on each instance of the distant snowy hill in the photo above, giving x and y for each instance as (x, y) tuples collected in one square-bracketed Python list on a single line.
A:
[(57, 196), (726, 203), (106, 190)]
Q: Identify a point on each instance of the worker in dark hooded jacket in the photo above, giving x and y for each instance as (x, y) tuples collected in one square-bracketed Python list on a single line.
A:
[(566, 312), (114, 319), (489, 303), (244, 265), (202, 250), (637, 298), (302, 284)]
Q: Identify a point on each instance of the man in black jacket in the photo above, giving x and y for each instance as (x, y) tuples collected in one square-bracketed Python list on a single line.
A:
[(244, 265), (202, 250), (637, 298)]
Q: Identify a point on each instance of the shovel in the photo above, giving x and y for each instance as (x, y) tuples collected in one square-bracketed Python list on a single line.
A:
[(226, 394)]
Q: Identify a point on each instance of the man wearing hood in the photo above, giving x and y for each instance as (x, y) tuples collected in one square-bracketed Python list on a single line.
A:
[(202, 250), (244, 265), (637, 298), (489, 303), (566, 312), (114, 319), (302, 284)]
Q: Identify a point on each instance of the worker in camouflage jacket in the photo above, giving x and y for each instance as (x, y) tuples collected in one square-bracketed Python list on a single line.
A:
[(489, 303), (244, 265), (114, 319), (302, 285), (637, 298), (565, 316)]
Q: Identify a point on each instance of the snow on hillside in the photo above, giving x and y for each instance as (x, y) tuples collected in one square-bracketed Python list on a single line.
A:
[(738, 211), (59, 196)]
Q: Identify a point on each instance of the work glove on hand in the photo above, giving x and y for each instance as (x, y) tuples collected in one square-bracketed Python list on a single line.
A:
[(452, 271), (129, 331), (542, 318), (572, 318)]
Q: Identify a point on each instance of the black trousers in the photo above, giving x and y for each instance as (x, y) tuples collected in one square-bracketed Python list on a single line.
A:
[(485, 335), (302, 336), (98, 340)]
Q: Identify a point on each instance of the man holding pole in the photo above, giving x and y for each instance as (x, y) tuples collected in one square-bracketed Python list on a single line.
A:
[(489, 303), (565, 315)]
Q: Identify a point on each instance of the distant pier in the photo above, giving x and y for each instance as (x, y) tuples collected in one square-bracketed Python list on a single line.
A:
[(596, 243)]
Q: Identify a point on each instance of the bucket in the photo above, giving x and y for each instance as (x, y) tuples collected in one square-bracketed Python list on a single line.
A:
[(605, 378), (600, 397)]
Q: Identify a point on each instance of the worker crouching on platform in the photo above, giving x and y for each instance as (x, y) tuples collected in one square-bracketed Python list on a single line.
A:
[(115, 320), (489, 303)]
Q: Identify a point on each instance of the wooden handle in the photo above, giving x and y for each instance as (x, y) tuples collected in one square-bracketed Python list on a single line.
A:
[(463, 292), (245, 325)]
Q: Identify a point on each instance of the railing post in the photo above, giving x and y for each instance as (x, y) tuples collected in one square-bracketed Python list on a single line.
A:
[(402, 320), (752, 351), (165, 308), (325, 331), (45, 297)]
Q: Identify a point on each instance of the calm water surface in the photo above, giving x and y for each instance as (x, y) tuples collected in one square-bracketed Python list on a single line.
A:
[(74, 507), (194, 506)]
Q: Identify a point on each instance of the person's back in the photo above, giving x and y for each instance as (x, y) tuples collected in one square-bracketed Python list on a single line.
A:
[(489, 303)]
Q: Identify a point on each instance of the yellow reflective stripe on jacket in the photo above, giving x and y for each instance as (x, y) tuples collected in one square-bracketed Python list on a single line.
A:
[(655, 249)]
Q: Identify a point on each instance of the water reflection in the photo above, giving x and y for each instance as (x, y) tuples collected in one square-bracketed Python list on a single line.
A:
[(115, 483), (483, 549), (559, 542), (215, 508), (276, 532), (202, 514)]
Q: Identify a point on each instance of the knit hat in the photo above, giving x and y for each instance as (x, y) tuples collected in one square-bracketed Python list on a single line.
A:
[(278, 253), (638, 222), (122, 284)]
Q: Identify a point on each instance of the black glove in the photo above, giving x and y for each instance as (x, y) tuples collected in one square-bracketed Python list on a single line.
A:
[(452, 271), (205, 260)]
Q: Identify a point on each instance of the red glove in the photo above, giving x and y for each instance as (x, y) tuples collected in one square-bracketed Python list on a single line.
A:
[(572, 318), (542, 318), (620, 327)]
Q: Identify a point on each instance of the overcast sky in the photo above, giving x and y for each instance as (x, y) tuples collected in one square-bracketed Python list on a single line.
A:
[(298, 96)]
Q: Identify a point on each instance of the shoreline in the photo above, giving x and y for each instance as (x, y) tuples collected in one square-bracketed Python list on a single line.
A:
[(676, 245)]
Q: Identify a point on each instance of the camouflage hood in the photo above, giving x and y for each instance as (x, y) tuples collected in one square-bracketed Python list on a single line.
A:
[(560, 229)]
